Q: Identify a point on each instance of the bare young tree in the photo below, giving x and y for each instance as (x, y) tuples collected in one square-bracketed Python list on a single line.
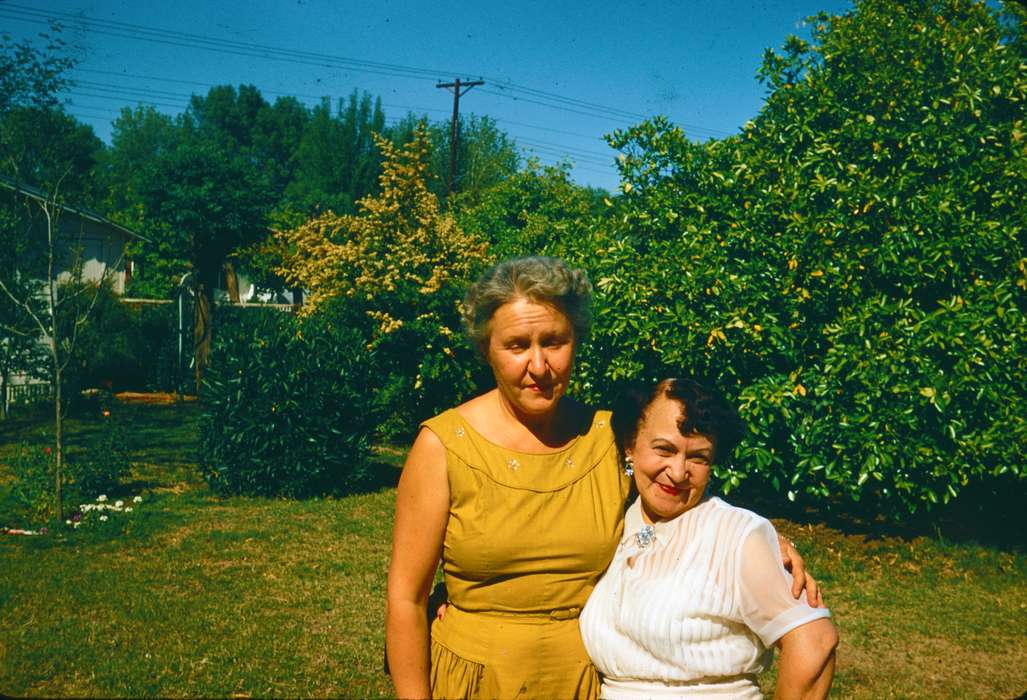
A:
[(59, 316)]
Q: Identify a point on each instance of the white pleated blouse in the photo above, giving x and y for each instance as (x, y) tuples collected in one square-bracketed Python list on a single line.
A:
[(694, 613)]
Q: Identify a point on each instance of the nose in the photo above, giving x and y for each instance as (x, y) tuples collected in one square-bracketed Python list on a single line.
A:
[(677, 468), (537, 361)]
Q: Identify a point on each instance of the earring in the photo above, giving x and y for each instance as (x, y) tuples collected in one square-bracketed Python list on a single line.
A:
[(629, 466)]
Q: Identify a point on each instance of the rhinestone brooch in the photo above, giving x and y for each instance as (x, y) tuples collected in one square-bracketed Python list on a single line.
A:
[(645, 536), (459, 431), (513, 464)]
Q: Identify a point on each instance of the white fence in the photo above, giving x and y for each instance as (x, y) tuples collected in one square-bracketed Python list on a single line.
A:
[(25, 394)]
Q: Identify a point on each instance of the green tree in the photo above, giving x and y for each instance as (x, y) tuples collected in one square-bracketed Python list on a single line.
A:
[(211, 200), (486, 155), (337, 160), (851, 267), (140, 138), (30, 76), (536, 211)]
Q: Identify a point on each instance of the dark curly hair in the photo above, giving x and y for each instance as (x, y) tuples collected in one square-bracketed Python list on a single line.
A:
[(706, 412)]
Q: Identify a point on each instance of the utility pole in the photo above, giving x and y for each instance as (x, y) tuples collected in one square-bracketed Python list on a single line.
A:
[(459, 88)]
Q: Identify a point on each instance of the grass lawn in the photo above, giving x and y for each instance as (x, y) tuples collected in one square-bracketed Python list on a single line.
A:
[(191, 595)]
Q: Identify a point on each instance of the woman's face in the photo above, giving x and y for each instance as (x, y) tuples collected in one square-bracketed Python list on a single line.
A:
[(671, 469), (531, 352)]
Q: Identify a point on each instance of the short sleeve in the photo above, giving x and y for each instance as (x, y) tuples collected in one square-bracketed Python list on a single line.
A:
[(764, 587)]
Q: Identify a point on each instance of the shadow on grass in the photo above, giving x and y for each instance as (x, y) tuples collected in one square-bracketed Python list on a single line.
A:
[(983, 514), (380, 474), (158, 435)]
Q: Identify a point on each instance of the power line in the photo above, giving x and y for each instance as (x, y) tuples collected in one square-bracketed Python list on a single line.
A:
[(189, 40), (580, 104), (567, 156), (583, 151), (551, 106), (146, 33)]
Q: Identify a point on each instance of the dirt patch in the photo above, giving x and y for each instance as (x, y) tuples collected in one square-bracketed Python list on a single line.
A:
[(156, 397), (933, 667)]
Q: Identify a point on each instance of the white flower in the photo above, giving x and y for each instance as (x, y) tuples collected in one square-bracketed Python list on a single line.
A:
[(101, 498), (103, 517), (118, 504), (137, 499), (129, 509), (67, 522), (76, 524)]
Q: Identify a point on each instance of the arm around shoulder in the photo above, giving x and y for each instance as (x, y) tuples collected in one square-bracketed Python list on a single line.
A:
[(422, 512)]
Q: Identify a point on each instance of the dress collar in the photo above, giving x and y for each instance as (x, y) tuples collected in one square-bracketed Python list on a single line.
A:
[(637, 533)]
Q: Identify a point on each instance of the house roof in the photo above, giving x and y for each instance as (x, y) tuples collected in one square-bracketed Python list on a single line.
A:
[(88, 214)]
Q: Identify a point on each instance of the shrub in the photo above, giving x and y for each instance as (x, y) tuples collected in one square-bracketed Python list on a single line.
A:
[(33, 487), (106, 465), (286, 406)]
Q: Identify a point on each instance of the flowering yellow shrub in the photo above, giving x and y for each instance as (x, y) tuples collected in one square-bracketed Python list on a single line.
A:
[(397, 248), (397, 269)]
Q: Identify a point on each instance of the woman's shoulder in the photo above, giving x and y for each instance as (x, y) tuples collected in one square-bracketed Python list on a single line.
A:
[(442, 424), (740, 521)]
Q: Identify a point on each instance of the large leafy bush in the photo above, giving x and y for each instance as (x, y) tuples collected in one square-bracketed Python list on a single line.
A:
[(851, 267), (286, 406)]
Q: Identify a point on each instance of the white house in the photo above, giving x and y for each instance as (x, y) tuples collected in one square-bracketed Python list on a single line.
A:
[(84, 236), (99, 241)]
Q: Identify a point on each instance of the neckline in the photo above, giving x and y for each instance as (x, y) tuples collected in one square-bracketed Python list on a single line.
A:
[(562, 450), (660, 527)]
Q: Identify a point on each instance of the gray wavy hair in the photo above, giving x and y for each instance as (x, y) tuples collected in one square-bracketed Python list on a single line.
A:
[(541, 279)]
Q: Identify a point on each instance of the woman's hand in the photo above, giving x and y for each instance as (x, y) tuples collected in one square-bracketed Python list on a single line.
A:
[(422, 512), (806, 665), (801, 579)]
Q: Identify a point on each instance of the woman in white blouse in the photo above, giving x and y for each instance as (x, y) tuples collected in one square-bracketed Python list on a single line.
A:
[(696, 595)]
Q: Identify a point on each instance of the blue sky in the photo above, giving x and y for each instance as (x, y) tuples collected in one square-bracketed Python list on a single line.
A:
[(694, 62)]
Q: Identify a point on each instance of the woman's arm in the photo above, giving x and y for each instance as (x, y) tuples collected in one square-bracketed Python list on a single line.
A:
[(804, 633), (422, 512), (806, 666)]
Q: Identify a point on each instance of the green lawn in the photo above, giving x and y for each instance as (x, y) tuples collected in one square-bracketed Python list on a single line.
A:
[(199, 596)]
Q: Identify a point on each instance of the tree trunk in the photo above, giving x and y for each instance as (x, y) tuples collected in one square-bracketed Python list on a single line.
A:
[(58, 447), (297, 296), (232, 282), (202, 330), (3, 395)]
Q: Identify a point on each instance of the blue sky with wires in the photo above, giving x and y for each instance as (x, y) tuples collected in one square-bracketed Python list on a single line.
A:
[(558, 75)]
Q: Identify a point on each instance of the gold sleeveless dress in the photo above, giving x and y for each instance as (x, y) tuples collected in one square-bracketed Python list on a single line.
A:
[(527, 539)]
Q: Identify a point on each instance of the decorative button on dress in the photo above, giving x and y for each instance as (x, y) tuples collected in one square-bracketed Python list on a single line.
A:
[(689, 607), (528, 537)]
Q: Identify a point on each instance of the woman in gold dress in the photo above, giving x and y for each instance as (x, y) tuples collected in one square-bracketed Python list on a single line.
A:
[(520, 492)]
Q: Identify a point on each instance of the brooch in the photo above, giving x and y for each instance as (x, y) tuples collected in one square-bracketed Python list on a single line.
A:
[(645, 536)]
